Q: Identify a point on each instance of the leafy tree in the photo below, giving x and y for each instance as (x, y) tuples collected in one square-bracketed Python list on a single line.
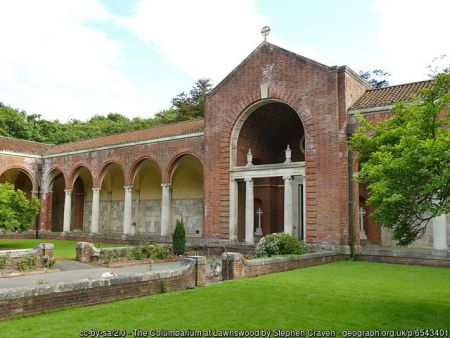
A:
[(405, 160), (375, 77), (17, 212), (179, 238), (192, 106), (19, 124)]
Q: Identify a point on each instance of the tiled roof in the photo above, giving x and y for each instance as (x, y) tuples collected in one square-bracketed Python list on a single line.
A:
[(168, 130), (379, 97), (22, 146)]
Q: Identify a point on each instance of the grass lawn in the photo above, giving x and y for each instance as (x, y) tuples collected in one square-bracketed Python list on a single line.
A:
[(338, 296), (64, 249)]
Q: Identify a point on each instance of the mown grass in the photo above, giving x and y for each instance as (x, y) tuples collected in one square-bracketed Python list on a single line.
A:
[(338, 296), (63, 249)]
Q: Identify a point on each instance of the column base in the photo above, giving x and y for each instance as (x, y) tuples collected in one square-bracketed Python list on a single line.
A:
[(441, 253)]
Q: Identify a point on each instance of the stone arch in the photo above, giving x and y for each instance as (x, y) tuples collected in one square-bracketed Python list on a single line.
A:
[(21, 178), (248, 114), (145, 177), (187, 182), (75, 173), (111, 180), (50, 176), (135, 166)]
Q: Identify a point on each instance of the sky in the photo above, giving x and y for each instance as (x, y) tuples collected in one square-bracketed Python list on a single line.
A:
[(73, 59)]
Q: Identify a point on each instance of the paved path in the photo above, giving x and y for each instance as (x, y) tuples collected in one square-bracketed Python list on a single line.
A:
[(78, 271)]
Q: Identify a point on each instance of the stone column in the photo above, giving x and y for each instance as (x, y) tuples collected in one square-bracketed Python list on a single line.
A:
[(249, 211), (127, 210), (234, 202), (440, 246), (67, 210), (166, 207), (95, 216), (288, 204)]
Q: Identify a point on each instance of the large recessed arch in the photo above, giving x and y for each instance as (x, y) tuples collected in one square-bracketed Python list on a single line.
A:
[(267, 127), (187, 182), (111, 181), (146, 177)]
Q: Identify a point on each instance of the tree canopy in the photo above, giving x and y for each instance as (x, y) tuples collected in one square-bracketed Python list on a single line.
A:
[(17, 123), (376, 77), (17, 212), (405, 159)]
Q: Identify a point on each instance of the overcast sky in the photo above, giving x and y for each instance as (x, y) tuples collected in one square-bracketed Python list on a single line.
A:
[(73, 59)]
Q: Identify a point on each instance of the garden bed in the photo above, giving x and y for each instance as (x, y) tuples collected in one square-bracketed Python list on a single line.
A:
[(16, 273), (127, 262)]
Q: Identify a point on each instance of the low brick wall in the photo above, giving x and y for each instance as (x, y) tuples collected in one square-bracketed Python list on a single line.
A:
[(36, 299), (435, 261), (235, 266)]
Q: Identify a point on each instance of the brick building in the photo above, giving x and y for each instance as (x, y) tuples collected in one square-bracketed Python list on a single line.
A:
[(270, 155)]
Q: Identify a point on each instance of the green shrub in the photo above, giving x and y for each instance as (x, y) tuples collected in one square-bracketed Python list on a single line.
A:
[(179, 238), (279, 244), (160, 251), (5, 261), (27, 262), (17, 212), (136, 253)]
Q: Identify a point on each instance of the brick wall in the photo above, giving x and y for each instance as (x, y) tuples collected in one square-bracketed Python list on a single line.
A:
[(235, 266), (27, 301), (315, 92)]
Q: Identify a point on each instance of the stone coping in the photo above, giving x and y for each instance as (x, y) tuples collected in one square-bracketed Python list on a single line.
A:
[(400, 252), (57, 287), (278, 259)]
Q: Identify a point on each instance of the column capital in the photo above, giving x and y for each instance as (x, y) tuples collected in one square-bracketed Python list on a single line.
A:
[(96, 189), (34, 192), (287, 178), (68, 191), (128, 188), (166, 185), (248, 180)]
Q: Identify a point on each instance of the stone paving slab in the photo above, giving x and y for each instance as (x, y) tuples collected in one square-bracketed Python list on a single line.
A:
[(81, 274)]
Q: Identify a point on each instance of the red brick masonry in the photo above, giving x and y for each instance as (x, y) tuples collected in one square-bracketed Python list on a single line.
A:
[(235, 266), (36, 299)]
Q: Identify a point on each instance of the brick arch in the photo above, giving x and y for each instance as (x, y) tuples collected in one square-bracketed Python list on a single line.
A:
[(48, 178), (129, 178), (249, 110), (173, 162), (97, 182), (74, 173), (25, 171)]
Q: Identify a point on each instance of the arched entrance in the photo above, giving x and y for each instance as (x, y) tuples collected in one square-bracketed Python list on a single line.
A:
[(187, 194), (55, 187), (147, 198), (111, 199), (267, 159), (81, 199)]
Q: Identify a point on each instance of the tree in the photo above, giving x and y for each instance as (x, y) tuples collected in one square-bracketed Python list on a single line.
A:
[(17, 212), (192, 106), (179, 238), (405, 160), (375, 77)]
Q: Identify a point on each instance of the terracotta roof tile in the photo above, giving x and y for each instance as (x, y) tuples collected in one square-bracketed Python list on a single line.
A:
[(22, 146), (175, 129), (379, 97)]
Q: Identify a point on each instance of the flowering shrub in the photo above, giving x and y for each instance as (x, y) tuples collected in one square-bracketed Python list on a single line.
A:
[(279, 244)]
